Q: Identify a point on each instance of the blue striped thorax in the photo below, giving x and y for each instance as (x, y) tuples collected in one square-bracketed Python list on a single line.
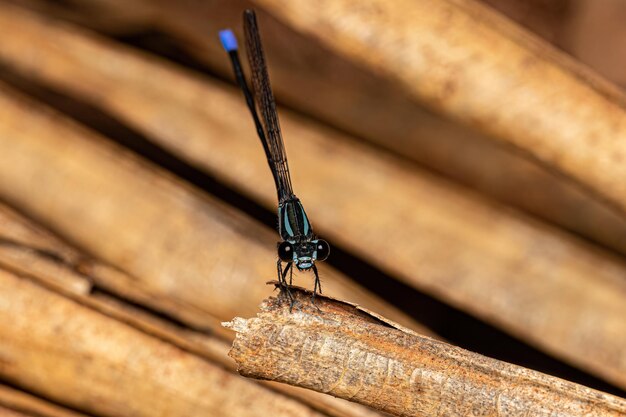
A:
[(293, 224), (299, 243)]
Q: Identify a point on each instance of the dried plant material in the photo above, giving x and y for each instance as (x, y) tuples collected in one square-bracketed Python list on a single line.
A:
[(350, 353), (476, 66), (27, 248), (536, 282), (595, 33), (64, 351), (98, 14), (30, 405), (174, 242), (6, 412), (24, 259), (332, 87), (216, 350), (212, 346), (127, 286)]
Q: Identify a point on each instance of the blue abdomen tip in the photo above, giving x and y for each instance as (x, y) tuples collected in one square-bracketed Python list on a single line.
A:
[(228, 39)]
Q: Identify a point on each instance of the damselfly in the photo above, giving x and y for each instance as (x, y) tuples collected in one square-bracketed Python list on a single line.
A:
[(299, 247)]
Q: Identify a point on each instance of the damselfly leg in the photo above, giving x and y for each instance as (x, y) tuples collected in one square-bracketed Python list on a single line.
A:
[(282, 276), (317, 285)]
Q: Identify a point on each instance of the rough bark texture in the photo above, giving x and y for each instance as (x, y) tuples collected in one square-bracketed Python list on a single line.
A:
[(344, 351), (60, 349), (534, 281), (51, 260)]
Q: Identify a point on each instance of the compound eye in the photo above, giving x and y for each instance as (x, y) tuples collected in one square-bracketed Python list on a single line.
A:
[(323, 249), (285, 251)]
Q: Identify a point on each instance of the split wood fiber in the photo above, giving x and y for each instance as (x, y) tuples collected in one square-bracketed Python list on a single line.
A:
[(331, 86), (476, 66), (536, 282), (350, 353), (51, 260)]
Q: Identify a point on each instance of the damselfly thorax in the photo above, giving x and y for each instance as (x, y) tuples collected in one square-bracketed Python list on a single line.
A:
[(299, 243), (293, 223)]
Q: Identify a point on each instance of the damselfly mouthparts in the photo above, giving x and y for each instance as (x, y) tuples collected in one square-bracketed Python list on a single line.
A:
[(299, 247)]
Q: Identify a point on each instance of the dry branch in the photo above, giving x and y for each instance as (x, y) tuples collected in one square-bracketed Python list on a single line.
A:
[(536, 282), (30, 405), (29, 249), (476, 66), (349, 353), (67, 352), (145, 292), (6, 412), (214, 349)]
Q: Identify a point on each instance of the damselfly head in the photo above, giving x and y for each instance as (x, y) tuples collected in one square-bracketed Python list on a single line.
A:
[(303, 254)]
